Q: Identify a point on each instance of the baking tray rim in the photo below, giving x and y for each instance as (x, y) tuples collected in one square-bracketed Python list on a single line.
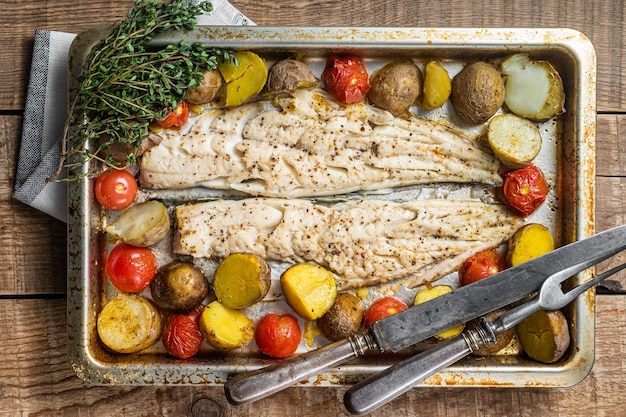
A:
[(508, 40)]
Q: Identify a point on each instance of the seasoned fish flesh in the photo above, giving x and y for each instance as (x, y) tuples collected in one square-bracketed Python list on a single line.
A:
[(311, 145), (364, 243)]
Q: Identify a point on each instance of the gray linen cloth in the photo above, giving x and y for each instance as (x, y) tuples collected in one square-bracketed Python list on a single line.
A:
[(46, 110)]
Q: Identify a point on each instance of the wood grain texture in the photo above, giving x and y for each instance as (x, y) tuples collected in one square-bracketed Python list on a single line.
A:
[(35, 376), (38, 381), (32, 253), (601, 21)]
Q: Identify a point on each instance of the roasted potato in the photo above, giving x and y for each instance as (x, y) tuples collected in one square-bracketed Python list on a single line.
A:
[(144, 224), (437, 86), (241, 280), (529, 242), (534, 89), (226, 328), (343, 319), (208, 89), (515, 141), (129, 323), (179, 287), (309, 289), (395, 87), (434, 292), (477, 92), (288, 75), (502, 339), (544, 335), (243, 81)]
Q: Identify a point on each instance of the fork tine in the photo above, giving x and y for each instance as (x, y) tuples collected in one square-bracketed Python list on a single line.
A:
[(576, 291)]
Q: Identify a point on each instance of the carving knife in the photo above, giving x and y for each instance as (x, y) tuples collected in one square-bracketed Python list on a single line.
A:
[(420, 322)]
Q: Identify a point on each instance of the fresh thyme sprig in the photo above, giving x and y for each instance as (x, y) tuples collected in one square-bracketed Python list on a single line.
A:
[(124, 85)]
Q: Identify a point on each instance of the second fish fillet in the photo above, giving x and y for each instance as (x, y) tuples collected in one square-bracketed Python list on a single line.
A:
[(364, 243)]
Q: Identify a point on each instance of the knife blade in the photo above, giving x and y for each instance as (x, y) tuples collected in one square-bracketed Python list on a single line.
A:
[(466, 303), (420, 322)]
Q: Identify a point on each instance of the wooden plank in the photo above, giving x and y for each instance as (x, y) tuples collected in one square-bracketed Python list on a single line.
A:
[(601, 21), (32, 254), (37, 380)]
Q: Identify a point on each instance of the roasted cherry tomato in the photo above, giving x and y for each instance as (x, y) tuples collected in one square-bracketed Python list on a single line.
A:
[(481, 265), (131, 268), (386, 306), (277, 335), (182, 337), (175, 118), (346, 78), (115, 189), (525, 189)]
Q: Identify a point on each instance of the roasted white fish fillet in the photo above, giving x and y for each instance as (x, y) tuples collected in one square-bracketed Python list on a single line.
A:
[(311, 145), (364, 243)]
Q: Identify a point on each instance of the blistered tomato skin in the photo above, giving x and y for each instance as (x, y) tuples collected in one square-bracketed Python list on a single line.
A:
[(115, 189), (525, 189), (182, 337), (382, 308), (131, 268), (481, 265), (277, 335), (346, 78), (175, 118)]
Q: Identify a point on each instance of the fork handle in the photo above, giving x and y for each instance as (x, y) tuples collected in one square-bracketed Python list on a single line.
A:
[(394, 381)]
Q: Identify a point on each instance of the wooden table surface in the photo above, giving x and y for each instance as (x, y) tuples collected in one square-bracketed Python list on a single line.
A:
[(35, 376)]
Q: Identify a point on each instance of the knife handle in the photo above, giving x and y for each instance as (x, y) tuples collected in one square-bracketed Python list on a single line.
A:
[(258, 384), (394, 381)]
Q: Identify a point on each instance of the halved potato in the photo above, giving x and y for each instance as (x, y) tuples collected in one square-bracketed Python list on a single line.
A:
[(225, 328), (241, 280), (144, 224), (309, 289), (544, 335), (245, 80), (533, 89), (129, 323), (529, 242), (515, 141), (437, 86)]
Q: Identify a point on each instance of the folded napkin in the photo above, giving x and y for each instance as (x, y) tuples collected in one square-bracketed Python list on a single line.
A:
[(46, 110)]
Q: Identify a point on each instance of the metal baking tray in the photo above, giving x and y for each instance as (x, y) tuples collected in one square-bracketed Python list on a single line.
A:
[(567, 158)]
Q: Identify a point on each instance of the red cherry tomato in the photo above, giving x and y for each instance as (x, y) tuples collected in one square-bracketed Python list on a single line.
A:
[(115, 189), (131, 268), (383, 307), (481, 265), (175, 118), (182, 337), (525, 189), (277, 335), (346, 78)]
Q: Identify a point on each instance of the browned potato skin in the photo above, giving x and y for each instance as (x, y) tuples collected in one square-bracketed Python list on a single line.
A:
[(544, 335), (288, 75), (179, 287), (343, 319), (396, 87), (477, 92), (208, 88), (502, 338)]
